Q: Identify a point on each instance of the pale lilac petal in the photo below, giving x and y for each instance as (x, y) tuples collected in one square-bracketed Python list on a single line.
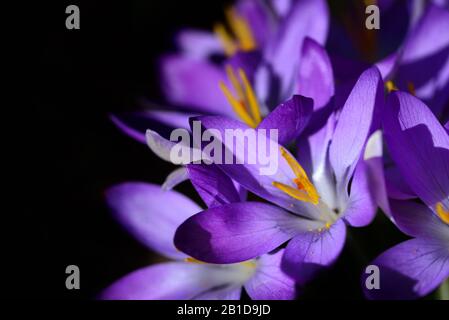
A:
[(198, 43), (417, 220), (361, 206), (316, 78), (169, 281), (175, 177), (354, 125), (270, 282), (419, 146), (151, 214), (309, 252), (188, 82), (237, 232), (305, 19), (410, 270)]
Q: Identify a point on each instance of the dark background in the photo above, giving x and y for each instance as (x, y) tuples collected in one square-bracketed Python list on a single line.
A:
[(73, 153)]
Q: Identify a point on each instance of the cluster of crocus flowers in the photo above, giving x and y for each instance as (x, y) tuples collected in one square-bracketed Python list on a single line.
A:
[(333, 172)]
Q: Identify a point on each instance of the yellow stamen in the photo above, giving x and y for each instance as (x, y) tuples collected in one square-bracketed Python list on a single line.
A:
[(241, 29), (245, 105), (390, 86), (251, 96), (193, 260), (305, 190), (229, 45), (411, 88), (235, 82), (442, 212), (238, 107)]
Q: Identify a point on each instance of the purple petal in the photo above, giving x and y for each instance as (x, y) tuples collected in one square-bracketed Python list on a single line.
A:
[(354, 124), (307, 253), (373, 159), (193, 83), (425, 59), (168, 281), (247, 61), (386, 65), (397, 188), (316, 79), (290, 118), (361, 207), (417, 220), (305, 19), (270, 282), (237, 232), (135, 124), (151, 214), (313, 155), (419, 145), (198, 43), (410, 270), (214, 187)]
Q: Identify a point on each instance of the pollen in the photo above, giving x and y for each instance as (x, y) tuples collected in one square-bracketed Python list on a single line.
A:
[(390, 86), (442, 212), (244, 102), (239, 37), (305, 190)]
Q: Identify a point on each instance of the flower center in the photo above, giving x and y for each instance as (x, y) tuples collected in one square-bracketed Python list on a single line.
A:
[(305, 190), (245, 103), (442, 212), (240, 37)]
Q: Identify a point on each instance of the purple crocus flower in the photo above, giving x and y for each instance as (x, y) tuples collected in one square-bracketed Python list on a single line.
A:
[(421, 65), (152, 216), (419, 145), (264, 50), (310, 214)]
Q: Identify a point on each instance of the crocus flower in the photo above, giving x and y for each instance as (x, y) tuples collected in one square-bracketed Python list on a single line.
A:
[(419, 145), (313, 204), (421, 65), (262, 52), (152, 216)]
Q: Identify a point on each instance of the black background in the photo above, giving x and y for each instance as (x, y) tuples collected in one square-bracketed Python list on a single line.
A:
[(72, 152)]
